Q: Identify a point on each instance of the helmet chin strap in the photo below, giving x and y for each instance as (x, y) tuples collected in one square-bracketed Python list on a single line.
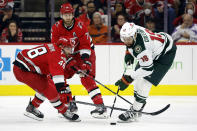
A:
[(134, 37)]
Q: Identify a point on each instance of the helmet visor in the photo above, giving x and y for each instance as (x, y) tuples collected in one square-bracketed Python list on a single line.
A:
[(127, 39)]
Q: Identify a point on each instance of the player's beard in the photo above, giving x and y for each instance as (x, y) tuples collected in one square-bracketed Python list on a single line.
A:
[(68, 23)]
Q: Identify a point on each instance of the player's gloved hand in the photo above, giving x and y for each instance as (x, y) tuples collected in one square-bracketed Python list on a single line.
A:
[(128, 58), (65, 94), (71, 62), (86, 65), (124, 82)]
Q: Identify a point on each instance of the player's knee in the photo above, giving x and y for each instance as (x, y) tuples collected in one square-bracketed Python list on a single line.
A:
[(50, 93), (88, 83)]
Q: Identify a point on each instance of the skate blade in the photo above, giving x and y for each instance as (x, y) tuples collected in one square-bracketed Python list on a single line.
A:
[(102, 116), (59, 115), (33, 116), (78, 120)]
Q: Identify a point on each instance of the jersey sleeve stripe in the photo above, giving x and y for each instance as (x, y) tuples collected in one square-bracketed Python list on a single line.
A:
[(149, 66), (58, 79)]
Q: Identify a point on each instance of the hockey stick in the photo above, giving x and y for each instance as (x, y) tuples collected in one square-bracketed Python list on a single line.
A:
[(114, 102), (116, 96), (104, 86), (123, 109)]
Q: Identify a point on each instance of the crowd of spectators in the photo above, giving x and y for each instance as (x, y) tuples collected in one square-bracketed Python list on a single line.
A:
[(9, 23), (181, 20), (146, 13)]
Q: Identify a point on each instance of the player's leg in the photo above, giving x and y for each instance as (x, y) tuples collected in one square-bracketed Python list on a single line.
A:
[(69, 73), (43, 86), (141, 91), (94, 91), (40, 98)]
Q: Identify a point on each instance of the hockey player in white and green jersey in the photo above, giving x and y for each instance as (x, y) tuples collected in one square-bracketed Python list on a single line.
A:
[(155, 53)]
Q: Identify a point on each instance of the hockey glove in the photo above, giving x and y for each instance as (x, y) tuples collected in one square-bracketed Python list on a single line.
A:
[(71, 62), (128, 58), (86, 65), (124, 82), (65, 94)]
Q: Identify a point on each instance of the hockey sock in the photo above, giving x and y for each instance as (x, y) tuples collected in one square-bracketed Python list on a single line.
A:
[(52, 95), (139, 101), (92, 89), (59, 105), (38, 99)]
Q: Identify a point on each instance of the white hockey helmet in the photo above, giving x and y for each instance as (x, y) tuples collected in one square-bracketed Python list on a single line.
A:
[(127, 30)]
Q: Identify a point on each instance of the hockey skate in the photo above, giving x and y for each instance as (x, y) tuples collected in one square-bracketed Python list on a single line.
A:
[(73, 107), (130, 115), (71, 116), (100, 112), (33, 112)]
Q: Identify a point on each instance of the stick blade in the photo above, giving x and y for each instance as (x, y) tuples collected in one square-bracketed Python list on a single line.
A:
[(160, 111)]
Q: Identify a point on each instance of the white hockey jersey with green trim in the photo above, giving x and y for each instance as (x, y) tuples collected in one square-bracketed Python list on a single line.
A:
[(148, 47)]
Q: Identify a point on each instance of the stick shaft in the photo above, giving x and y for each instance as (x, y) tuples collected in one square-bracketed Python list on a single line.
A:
[(114, 103), (107, 88), (123, 109)]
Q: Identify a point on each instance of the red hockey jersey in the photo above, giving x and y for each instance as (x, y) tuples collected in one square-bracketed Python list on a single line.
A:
[(3, 3), (78, 32), (45, 59)]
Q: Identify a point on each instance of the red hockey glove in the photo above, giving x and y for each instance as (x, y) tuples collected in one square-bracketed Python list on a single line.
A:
[(86, 65), (65, 95), (71, 62)]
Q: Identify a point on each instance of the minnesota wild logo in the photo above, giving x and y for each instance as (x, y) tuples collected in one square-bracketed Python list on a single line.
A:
[(138, 49)]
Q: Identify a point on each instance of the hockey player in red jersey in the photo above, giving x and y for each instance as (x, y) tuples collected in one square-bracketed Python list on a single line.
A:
[(84, 49), (32, 67)]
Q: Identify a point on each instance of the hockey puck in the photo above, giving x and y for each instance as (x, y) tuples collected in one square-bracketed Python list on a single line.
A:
[(113, 123)]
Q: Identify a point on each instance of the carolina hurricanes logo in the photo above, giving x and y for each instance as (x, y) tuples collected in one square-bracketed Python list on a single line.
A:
[(2, 2), (74, 41), (80, 25)]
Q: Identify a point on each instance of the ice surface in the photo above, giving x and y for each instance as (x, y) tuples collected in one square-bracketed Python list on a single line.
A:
[(181, 116)]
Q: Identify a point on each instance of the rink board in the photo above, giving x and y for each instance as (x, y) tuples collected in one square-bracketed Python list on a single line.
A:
[(161, 90), (180, 80)]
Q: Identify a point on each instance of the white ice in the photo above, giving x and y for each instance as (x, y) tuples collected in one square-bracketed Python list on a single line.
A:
[(181, 116)]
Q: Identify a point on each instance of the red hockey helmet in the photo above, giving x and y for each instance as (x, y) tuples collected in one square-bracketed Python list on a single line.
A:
[(66, 8), (65, 41)]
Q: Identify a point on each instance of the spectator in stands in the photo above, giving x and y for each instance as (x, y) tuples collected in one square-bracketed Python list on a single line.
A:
[(87, 17), (170, 2), (187, 31), (12, 33), (121, 19), (118, 8), (179, 6), (159, 17), (148, 13), (135, 8), (189, 9), (79, 9), (150, 24), (7, 16), (195, 5), (97, 30), (100, 6)]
